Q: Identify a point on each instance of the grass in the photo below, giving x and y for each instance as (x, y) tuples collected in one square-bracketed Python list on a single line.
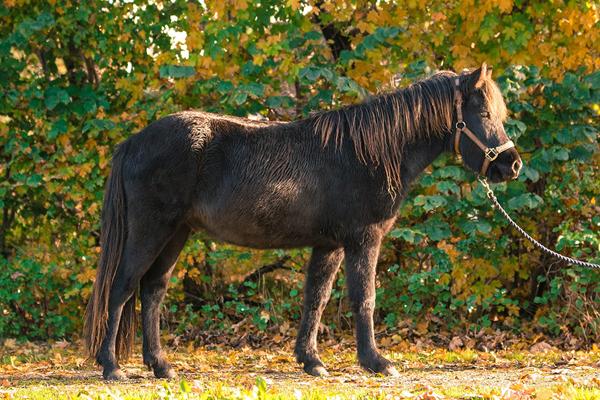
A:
[(58, 371)]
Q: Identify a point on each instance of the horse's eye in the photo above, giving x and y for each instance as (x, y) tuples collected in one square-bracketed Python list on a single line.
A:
[(485, 114)]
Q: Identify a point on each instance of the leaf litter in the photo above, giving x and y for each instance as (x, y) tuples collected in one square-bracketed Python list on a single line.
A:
[(58, 370)]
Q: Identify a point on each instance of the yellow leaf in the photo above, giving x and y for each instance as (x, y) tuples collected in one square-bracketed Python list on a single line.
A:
[(294, 4), (505, 5)]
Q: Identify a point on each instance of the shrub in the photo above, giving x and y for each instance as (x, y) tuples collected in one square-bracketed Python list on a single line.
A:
[(70, 93)]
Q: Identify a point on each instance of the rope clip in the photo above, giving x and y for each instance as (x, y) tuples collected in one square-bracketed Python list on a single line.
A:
[(486, 186)]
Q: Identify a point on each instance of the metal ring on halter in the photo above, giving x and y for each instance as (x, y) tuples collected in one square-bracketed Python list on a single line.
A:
[(461, 125)]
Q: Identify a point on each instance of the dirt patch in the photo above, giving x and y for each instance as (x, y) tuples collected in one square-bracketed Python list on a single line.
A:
[(460, 374)]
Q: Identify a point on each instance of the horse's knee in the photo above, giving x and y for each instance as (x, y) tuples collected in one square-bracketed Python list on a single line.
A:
[(361, 306)]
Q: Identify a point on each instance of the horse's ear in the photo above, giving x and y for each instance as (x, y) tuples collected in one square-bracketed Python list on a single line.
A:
[(481, 75), (489, 73)]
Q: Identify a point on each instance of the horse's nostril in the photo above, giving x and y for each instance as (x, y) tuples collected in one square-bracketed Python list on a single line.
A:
[(516, 166)]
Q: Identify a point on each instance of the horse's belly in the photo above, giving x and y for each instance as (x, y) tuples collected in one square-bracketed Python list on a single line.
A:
[(256, 238), (271, 219), (252, 232)]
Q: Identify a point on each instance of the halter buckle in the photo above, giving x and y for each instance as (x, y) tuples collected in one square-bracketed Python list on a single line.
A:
[(491, 153), (460, 125)]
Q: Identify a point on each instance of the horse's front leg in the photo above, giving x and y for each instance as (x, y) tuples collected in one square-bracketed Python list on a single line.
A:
[(320, 275), (361, 262)]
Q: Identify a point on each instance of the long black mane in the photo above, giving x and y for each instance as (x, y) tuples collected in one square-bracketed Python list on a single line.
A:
[(381, 126)]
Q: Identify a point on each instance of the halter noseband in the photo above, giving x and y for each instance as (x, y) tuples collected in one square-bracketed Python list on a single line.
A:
[(490, 153)]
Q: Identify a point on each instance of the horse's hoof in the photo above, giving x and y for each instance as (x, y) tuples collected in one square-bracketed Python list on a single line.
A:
[(377, 364), (390, 370), (316, 370), (115, 375), (165, 373)]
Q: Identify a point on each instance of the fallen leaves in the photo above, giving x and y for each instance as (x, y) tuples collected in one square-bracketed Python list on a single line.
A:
[(221, 371), (455, 344), (428, 394), (541, 347)]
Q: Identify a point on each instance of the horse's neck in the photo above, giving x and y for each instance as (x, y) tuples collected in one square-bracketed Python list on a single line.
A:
[(419, 155)]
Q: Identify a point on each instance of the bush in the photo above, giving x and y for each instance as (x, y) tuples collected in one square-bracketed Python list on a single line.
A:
[(71, 93)]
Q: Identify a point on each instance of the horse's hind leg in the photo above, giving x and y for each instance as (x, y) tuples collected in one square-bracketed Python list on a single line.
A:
[(145, 240), (153, 288), (320, 275)]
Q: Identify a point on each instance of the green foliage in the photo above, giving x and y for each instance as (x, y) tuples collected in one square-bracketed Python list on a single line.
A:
[(78, 78), (33, 298)]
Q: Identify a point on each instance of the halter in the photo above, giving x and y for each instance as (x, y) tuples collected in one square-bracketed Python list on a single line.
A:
[(490, 153)]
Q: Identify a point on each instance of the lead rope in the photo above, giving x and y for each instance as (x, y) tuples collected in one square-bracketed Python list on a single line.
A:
[(496, 204)]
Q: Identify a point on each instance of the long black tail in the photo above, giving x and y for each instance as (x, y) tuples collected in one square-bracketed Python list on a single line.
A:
[(112, 240)]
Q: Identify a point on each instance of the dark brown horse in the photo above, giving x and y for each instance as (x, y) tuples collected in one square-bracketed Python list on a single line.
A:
[(333, 182)]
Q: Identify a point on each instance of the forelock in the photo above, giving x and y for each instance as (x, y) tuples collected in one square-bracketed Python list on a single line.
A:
[(494, 100)]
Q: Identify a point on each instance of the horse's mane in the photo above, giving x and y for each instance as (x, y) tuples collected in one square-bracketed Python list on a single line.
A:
[(381, 126)]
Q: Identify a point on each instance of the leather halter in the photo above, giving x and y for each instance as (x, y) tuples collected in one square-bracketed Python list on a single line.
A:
[(490, 153)]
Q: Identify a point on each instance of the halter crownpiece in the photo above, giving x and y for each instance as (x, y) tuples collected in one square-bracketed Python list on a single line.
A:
[(490, 153)]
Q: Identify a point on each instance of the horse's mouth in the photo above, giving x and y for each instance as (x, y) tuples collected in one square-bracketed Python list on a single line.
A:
[(498, 173)]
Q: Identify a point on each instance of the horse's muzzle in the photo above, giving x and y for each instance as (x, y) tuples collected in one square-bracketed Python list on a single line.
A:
[(505, 168)]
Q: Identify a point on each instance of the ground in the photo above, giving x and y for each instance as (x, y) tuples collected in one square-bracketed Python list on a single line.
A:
[(30, 371)]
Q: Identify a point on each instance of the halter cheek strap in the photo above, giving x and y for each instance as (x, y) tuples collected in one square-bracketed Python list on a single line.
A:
[(490, 153)]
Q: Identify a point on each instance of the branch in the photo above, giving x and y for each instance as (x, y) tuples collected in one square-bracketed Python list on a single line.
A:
[(335, 38), (265, 269), (92, 73), (39, 52), (8, 216)]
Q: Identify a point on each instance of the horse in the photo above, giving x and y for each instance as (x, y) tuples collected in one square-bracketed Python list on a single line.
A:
[(332, 181)]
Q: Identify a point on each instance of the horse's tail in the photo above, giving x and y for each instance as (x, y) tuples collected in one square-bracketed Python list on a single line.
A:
[(112, 239)]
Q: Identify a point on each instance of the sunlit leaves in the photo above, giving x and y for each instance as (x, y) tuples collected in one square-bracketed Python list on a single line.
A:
[(429, 202), (176, 71), (55, 96), (58, 127), (314, 73), (77, 78)]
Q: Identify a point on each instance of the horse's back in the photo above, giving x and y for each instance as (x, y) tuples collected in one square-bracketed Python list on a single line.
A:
[(261, 186), (252, 183), (178, 140)]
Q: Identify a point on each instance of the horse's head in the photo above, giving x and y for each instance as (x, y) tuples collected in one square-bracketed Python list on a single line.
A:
[(479, 133)]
